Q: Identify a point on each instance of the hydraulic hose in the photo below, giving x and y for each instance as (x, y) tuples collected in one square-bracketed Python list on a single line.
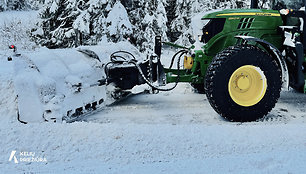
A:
[(178, 73), (172, 60), (134, 62), (113, 55)]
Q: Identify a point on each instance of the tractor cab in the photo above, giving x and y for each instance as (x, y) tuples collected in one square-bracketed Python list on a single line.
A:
[(293, 15)]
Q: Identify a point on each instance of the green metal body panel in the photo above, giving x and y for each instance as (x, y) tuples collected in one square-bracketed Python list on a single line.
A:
[(262, 26), (259, 23)]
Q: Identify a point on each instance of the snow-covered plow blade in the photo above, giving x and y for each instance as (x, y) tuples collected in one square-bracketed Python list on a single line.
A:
[(57, 85)]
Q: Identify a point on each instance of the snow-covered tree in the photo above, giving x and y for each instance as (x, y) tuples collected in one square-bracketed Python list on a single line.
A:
[(98, 10), (149, 19), (182, 21), (36, 4), (118, 24), (161, 19), (15, 32), (56, 26), (14, 5), (67, 23), (3, 5)]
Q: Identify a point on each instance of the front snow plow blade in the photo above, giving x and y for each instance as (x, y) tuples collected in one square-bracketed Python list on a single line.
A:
[(50, 89), (75, 83), (31, 92)]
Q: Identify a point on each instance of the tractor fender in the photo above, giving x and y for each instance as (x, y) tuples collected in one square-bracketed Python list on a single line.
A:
[(276, 54)]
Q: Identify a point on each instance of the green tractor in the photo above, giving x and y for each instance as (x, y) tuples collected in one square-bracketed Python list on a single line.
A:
[(248, 56)]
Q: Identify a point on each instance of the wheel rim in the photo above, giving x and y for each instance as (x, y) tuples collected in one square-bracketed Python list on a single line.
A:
[(247, 85)]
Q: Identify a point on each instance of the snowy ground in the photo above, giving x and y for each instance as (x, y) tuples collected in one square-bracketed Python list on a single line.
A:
[(168, 132), (172, 132)]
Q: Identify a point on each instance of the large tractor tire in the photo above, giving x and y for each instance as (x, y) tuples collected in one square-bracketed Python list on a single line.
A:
[(243, 83), (199, 87)]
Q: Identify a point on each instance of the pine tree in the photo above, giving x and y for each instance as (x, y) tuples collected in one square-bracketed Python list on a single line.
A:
[(18, 5), (98, 10), (14, 5), (71, 23), (149, 19), (140, 18), (171, 15), (55, 30), (3, 5), (67, 23), (157, 25), (182, 21), (118, 24), (161, 19), (36, 4)]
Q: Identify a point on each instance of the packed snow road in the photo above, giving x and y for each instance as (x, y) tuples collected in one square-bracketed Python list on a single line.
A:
[(169, 132), (184, 106)]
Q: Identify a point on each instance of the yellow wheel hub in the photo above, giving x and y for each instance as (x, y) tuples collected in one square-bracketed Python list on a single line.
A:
[(247, 85)]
